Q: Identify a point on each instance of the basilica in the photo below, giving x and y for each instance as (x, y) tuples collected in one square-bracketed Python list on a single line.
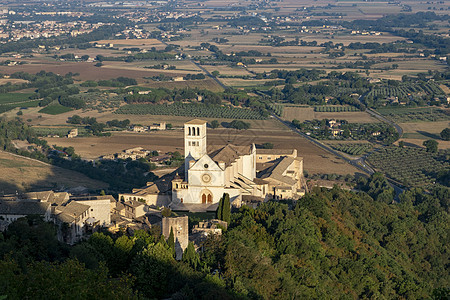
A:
[(247, 174)]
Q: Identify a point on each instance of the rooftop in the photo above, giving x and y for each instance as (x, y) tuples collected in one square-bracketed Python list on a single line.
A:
[(23, 207), (196, 122), (230, 153)]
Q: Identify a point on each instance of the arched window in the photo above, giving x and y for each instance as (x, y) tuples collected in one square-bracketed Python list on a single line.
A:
[(189, 130), (198, 131)]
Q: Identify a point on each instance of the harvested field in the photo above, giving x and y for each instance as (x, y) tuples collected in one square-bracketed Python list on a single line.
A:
[(133, 43), (24, 174), (316, 160), (417, 133), (308, 113)]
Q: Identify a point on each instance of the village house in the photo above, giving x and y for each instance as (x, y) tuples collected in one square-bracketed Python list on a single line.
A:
[(73, 133), (75, 216)]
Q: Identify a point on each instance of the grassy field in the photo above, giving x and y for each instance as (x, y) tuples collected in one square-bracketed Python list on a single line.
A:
[(24, 174), (55, 109), (13, 98)]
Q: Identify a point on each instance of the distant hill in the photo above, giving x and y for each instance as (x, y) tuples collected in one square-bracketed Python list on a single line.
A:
[(20, 173)]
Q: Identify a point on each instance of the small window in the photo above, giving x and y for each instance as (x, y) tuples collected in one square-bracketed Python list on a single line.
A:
[(92, 209), (206, 166)]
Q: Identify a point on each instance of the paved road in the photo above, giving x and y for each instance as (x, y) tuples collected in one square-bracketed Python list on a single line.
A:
[(380, 117)]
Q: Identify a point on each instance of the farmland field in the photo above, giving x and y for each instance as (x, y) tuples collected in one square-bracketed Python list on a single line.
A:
[(308, 113), (55, 109), (417, 133), (412, 115), (13, 98)]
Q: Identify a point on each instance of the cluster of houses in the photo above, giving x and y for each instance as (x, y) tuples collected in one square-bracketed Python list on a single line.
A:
[(136, 153), (78, 216), (157, 126)]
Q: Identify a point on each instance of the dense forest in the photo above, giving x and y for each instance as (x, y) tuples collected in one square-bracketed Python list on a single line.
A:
[(331, 244)]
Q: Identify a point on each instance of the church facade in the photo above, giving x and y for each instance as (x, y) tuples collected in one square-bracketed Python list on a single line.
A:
[(243, 172)]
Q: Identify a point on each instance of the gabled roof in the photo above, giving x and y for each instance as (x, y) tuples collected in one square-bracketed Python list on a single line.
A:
[(230, 153), (202, 161), (23, 207), (277, 169), (74, 208)]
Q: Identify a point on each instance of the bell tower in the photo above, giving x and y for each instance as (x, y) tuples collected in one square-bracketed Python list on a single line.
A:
[(194, 141)]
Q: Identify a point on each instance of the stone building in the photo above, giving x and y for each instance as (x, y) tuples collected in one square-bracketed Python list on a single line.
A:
[(205, 176), (180, 226)]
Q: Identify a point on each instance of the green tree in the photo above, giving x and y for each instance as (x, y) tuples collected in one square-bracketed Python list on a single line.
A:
[(214, 124), (267, 146), (191, 256), (431, 145), (166, 212), (445, 134)]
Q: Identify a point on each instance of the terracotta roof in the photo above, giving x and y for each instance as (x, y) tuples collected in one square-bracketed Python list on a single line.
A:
[(43, 196), (162, 185), (230, 153), (277, 169), (74, 208), (23, 207), (196, 122), (133, 203), (275, 151)]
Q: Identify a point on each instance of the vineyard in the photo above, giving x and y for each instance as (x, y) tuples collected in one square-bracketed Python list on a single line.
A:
[(352, 149), (191, 110), (335, 108), (425, 114), (405, 90), (410, 166)]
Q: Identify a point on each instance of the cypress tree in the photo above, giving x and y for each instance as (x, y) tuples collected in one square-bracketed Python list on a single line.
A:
[(191, 256), (171, 240), (219, 209), (226, 208)]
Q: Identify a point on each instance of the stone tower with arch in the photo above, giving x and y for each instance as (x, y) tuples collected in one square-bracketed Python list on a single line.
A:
[(194, 141)]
